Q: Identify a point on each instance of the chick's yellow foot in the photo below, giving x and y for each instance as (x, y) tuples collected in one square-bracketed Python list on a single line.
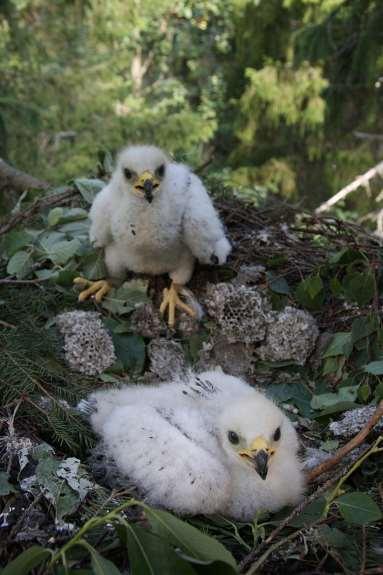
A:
[(98, 288), (172, 301)]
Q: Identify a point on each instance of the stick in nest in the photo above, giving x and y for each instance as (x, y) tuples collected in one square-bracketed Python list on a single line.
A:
[(349, 446)]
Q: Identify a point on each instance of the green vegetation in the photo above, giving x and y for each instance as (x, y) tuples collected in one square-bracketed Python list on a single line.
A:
[(269, 93), (270, 100)]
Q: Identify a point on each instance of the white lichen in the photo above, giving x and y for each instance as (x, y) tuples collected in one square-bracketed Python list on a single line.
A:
[(147, 322), (88, 347), (166, 358), (353, 421), (291, 335), (250, 274), (240, 311)]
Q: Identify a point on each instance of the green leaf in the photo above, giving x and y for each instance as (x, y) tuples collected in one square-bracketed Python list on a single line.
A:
[(359, 286), (374, 367), (93, 265), (324, 400), (311, 514), (189, 539), (20, 264), (63, 251), (358, 508), (130, 350), (128, 297), (89, 188), (26, 561), (310, 292), (277, 284), (5, 487), (56, 490), (16, 240), (362, 327), (65, 215), (151, 555), (364, 392), (54, 216), (341, 344), (100, 565), (379, 391)]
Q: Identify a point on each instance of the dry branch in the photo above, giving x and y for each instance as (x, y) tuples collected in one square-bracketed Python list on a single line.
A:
[(45, 202), (349, 446), (362, 180), (13, 179)]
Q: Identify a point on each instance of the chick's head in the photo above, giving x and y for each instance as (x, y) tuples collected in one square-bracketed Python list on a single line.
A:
[(141, 171), (255, 433)]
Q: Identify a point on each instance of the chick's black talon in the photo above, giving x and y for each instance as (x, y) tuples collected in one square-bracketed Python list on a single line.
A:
[(214, 260)]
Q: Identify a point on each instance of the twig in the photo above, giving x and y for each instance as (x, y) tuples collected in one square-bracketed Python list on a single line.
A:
[(340, 474), (359, 181), (45, 202), (6, 324), (255, 567), (11, 178), (349, 446), (367, 136)]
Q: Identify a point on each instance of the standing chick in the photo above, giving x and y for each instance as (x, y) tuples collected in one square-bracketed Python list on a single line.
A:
[(212, 444), (154, 217)]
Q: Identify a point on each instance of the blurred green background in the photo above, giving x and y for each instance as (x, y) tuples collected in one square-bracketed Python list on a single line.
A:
[(268, 96)]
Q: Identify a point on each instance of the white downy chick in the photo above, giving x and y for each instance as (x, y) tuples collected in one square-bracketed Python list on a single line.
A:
[(211, 444)]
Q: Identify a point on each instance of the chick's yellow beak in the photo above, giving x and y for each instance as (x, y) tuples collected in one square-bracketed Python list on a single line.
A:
[(145, 185), (258, 455)]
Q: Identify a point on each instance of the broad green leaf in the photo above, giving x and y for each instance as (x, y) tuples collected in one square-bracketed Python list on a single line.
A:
[(49, 238), (295, 393), (278, 284), (151, 555), (89, 188), (345, 256), (54, 216), (128, 297), (100, 565), (46, 274), (93, 265), (56, 490), (333, 537), (5, 487), (341, 344), (65, 215), (311, 514), (78, 228), (20, 264), (189, 539), (26, 561), (364, 392), (374, 367), (359, 286), (61, 252), (362, 327), (310, 292), (16, 240), (379, 391), (324, 400), (358, 508), (130, 350)]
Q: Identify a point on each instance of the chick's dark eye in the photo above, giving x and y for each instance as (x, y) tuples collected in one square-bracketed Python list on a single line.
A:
[(127, 173), (277, 434), (233, 437), (160, 171)]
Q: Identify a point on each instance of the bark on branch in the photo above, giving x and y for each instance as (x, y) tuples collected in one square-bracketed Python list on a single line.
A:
[(13, 179), (362, 180), (352, 444)]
